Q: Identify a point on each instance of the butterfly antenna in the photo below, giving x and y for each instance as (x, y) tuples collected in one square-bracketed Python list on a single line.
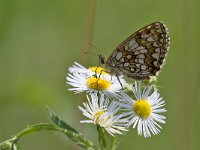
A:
[(91, 53), (94, 47), (91, 45)]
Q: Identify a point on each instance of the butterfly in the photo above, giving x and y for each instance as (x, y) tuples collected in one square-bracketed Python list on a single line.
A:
[(141, 55)]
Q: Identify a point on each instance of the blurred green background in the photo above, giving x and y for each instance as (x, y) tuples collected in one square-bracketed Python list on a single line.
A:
[(40, 39)]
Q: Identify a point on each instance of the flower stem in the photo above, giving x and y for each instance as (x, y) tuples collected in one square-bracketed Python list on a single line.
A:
[(102, 138), (114, 143), (36, 128)]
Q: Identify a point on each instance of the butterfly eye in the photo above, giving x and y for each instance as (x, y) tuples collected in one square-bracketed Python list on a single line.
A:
[(148, 32)]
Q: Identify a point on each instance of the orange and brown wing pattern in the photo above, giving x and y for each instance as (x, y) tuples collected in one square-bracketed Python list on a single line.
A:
[(142, 54)]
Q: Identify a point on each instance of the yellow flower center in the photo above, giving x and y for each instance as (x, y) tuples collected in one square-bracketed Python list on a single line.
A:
[(102, 121), (98, 70), (142, 108), (98, 83), (97, 115)]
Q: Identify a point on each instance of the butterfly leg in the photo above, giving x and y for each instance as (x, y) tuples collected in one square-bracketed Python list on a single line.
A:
[(96, 69), (120, 82), (98, 77), (110, 78)]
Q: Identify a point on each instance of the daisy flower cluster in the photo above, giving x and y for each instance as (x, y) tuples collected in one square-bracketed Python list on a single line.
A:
[(111, 107)]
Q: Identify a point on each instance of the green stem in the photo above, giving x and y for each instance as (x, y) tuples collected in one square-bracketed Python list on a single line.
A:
[(36, 128), (102, 137), (77, 138), (114, 143)]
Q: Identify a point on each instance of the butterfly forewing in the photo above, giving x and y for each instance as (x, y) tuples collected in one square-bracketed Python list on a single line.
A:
[(142, 54)]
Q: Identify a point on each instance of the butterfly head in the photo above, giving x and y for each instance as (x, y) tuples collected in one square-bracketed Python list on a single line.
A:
[(102, 59)]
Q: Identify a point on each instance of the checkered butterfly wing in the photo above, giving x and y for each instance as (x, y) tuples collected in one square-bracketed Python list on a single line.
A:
[(142, 54)]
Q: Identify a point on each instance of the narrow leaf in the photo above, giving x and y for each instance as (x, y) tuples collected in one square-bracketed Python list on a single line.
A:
[(80, 140), (59, 122)]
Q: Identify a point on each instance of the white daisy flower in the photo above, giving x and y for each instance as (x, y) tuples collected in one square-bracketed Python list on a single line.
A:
[(104, 113), (144, 111), (78, 68), (89, 81)]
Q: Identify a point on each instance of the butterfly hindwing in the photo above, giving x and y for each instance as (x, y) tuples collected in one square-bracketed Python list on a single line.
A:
[(142, 54)]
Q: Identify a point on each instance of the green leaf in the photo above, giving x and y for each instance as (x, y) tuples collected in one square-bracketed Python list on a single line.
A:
[(59, 122), (72, 133), (80, 140)]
